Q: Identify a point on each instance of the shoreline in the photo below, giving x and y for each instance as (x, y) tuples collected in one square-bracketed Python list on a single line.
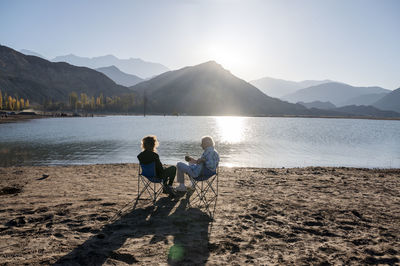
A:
[(315, 215), (21, 118), (222, 166)]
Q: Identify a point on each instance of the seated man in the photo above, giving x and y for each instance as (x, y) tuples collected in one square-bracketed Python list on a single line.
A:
[(209, 159), (149, 155)]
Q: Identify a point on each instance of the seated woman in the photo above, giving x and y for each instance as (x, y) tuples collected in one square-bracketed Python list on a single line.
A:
[(208, 159), (149, 155)]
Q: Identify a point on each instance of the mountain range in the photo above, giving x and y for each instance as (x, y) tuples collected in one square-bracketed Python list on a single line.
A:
[(391, 101), (37, 79), (337, 93), (133, 66), (365, 99), (279, 87), (119, 77), (205, 89)]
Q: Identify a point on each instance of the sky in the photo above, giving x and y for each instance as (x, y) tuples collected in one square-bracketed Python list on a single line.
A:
[(351, 41)]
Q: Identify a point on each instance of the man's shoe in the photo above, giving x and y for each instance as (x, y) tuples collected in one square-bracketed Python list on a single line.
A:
[(180, 188)]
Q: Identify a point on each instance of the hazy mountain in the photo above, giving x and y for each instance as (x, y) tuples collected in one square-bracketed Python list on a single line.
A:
[(209, 89), (37, 79), (318, 104), (334, 92), (119, 77), (390, 101), (365, 99), (309, 83), (279, 87), (29, 52), (134, 66), (368, 111)]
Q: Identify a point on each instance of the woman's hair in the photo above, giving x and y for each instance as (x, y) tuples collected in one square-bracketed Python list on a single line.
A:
[(150, 142), (208, 141)]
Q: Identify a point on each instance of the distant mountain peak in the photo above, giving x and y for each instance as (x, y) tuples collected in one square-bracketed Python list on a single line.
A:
[(209, 89), (337, 93), (119, 76), (210, 63), (133, 66), (279, 87), (110, 56)]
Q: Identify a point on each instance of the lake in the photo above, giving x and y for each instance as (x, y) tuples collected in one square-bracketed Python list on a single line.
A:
[(241, 141)]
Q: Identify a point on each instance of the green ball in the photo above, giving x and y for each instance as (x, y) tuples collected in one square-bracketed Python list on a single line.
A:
[(176, 252)]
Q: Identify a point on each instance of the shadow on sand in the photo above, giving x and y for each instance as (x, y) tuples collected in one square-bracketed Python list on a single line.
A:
[(189, 228)]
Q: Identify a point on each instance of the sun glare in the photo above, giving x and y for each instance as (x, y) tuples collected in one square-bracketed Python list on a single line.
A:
[(226, 55), (230, 129)]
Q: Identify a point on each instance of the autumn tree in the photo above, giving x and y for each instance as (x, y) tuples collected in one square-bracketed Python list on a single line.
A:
[(10, 103), (27, 103), (84, 100), (14, 103), (73, 100), (22, 103), (92, 103)]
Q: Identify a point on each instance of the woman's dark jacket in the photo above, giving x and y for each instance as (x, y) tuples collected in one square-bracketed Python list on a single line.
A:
[(146, 157)]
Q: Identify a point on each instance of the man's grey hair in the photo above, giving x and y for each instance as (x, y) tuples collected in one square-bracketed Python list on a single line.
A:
[(208, 141)]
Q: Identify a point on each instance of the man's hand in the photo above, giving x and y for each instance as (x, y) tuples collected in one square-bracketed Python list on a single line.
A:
[(200, 160)]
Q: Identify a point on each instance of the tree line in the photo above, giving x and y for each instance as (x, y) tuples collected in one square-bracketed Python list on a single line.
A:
[(77, 103), (7, 102), (100, 103)]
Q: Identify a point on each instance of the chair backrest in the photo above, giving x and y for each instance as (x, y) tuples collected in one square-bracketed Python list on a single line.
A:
[(149, 170)]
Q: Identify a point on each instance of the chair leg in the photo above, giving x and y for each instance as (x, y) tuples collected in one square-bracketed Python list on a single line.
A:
[(206, 195)]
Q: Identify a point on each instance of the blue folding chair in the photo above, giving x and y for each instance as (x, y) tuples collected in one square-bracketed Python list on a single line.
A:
[(152, 185), (205, 191)]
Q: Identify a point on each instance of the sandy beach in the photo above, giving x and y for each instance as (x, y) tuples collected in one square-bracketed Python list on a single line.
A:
[(86, 215)]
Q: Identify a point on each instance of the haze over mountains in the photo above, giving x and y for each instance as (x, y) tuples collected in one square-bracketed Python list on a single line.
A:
[(328, 95), (337, 93), (119, 77), (133, 66), (29, 52), (279, 87), (37, 79), (390, 101)]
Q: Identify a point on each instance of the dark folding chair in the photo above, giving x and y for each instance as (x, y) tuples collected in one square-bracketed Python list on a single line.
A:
[(205, 192), (152, 185)]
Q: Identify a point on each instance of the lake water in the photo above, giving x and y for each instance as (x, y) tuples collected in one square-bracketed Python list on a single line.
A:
[(241, 141)]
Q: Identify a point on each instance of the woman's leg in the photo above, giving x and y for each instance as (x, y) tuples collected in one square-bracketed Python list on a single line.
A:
[(169, 175)]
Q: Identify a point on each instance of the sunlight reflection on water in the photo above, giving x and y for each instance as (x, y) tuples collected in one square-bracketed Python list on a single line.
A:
[(230, 129)]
